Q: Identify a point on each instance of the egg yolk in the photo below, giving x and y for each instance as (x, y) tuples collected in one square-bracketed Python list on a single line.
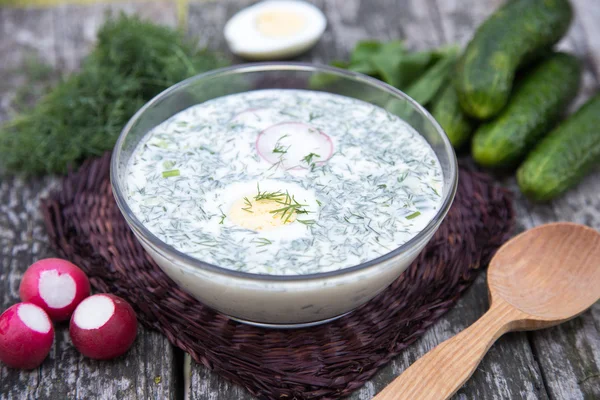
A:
[(259, 215), (280, 23)]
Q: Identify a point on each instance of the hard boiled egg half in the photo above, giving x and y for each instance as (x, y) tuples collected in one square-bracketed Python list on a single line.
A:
[(274, 29)]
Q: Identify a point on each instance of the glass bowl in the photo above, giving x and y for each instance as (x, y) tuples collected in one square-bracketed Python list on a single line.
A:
[(278, 300)]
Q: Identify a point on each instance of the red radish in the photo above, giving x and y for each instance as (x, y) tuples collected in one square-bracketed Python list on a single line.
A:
[(103, 326), (294, 145), (55, 285), (26, 335)]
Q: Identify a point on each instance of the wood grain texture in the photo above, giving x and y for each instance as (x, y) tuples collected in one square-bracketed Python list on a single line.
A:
[(442, 371), (62, 37), (508, 371), (529, 289), (147, 370), (566, 357)]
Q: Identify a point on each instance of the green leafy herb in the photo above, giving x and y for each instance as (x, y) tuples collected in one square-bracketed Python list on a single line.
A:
[(429, 84), (434, 190), (306, 221), (248, 207), (207, 149), (278, 195), (223, 216), (170, 173), (39, 80), (261, 242), (314, 116), (364, 50), (290, 206), (402, 177), (421, 72), (280, 149), (413, 215), (83, 115), (309, 158)]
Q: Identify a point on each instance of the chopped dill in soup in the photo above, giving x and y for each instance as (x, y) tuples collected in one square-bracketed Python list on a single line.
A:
[(284, 182)]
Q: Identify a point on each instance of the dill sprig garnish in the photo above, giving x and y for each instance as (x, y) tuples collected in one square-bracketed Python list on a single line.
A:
[(307, 221), (402, 177), (280, 149), (204, 148), (261, 242), (308, 159), (248, 207), (83, 115), (278, 195), (290, 206), (223, 216)]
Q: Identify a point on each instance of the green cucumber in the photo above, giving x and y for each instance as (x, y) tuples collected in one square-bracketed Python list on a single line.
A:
[(509, 38), (447, 112), (563, 157), (537, 103)]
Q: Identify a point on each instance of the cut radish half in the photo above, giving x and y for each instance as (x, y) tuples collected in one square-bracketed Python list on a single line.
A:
[(55, 285), (26, 336), (294, 145), (103, 326)]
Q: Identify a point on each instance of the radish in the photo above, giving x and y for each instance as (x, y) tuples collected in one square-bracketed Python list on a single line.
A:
[(294, 145), (103, 326), (26, 335), (55, 285)]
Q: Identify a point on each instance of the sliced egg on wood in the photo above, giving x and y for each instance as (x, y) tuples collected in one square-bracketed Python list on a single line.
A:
[(274, 29)]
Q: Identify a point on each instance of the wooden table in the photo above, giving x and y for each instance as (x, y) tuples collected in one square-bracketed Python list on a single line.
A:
[(557, 363)]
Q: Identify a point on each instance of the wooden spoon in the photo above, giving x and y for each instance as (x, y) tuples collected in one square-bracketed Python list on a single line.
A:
[(543, 277)]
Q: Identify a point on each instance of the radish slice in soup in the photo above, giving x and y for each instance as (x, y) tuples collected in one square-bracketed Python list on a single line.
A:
[(294, 145)]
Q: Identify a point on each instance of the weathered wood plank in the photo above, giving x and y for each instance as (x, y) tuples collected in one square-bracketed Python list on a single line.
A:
[(147, 370), (569, 355), (587, 16), (508, 371), (61, 37)]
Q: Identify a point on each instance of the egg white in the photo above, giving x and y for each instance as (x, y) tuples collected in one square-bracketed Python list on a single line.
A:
[(221, 200), (245, 39)]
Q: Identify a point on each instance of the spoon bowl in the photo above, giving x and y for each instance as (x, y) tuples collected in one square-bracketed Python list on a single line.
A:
[(551, 273), (540, 278)]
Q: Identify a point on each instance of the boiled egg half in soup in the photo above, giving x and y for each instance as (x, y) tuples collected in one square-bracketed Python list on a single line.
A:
[(274, 29)]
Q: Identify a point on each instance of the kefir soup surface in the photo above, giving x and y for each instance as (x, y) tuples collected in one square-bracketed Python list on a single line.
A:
[(284, 182)]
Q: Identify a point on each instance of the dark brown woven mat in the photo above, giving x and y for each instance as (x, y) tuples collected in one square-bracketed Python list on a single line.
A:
[(328, 361)]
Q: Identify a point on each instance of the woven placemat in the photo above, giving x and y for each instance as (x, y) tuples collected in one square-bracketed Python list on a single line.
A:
[(327, 361)]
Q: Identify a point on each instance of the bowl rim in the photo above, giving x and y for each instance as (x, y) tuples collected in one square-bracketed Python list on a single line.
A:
[(162, 247)]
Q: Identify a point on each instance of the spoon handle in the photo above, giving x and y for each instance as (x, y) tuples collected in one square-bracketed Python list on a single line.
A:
[(442, 371)]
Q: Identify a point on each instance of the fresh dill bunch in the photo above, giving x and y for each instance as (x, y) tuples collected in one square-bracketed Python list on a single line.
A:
[(83, 115), (158, 56)]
